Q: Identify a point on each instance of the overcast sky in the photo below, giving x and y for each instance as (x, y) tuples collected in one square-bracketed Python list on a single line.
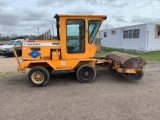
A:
[(23, 17)]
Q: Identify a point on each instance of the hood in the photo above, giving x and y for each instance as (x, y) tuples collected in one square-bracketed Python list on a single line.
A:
[(6, 46)]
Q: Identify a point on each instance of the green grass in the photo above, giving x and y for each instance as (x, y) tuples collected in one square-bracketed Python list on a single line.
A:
[(149, 56)]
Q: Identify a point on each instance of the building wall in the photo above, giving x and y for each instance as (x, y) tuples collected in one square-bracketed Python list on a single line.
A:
[(153, 43), (117, 41), (135, 43), (111, 40), (97, 42)]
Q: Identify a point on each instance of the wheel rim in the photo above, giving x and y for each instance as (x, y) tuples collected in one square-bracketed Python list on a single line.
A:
[(86, 73), (37, 77)]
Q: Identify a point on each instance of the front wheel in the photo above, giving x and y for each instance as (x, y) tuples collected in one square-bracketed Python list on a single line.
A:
[(38, 76), (86, 73)]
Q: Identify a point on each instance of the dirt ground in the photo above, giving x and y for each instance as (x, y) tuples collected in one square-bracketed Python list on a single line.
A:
[(111, 97)]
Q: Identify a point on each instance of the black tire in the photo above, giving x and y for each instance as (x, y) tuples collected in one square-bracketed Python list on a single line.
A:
[(19, 53), (86, 73), (49, 70), (135, 76), (33, 77)]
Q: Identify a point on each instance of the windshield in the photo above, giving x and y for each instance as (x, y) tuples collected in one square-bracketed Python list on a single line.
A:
[(10, 43), (18, 43), (93, 26)]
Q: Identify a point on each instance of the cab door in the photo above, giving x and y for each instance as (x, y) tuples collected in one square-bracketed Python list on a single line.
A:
[(75, 36)]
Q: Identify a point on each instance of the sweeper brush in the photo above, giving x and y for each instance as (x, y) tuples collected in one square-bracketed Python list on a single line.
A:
[(130, 65)]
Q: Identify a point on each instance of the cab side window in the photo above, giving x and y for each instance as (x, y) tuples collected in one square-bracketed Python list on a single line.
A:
[(75, 36), (93, 26)]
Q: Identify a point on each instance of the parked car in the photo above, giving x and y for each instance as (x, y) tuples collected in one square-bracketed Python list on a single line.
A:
[(7, 49), (9, 52)]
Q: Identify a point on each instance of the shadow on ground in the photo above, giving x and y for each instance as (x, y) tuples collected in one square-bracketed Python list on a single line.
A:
[(104, 76)]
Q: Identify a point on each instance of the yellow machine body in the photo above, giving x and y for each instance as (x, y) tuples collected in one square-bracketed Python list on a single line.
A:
[(55, 53), (74, 49)]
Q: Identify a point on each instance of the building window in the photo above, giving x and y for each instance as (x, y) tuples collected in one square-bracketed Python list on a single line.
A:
[(105, 34), (98, 41), (159, 31), (125, 34), (131, 33), (113, 32), (136, 33)]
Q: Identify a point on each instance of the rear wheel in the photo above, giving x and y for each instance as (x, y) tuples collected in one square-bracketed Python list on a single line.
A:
[(86, 73), (38, 76)]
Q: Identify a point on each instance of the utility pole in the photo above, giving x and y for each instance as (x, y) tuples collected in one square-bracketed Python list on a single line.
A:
[(38, 32), (52, 30), (0, 36)]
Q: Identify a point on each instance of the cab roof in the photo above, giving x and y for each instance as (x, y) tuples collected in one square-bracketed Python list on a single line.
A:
[(79, 15)]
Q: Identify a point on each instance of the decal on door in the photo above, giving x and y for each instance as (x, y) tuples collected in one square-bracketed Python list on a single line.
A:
[(34, 54)]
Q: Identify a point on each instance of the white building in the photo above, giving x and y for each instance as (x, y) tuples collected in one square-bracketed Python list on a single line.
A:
[(144, 37)]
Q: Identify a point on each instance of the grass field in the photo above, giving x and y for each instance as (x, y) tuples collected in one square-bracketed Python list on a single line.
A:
[(150, 56)]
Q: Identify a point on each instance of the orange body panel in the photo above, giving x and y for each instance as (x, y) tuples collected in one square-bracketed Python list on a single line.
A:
[(90, 49), (53, 53)]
